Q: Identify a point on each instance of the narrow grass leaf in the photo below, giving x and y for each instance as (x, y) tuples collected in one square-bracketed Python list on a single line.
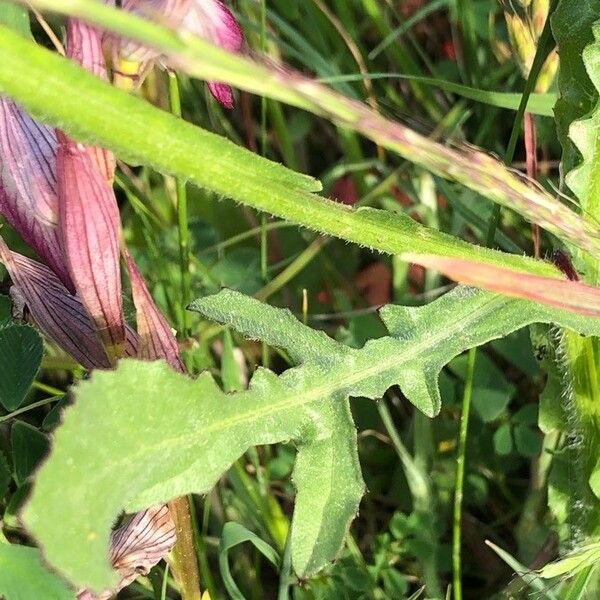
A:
[(538, 104), (530, 578), (233, 535)]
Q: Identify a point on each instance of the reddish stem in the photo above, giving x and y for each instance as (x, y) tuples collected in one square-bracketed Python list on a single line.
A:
[(532, 170)]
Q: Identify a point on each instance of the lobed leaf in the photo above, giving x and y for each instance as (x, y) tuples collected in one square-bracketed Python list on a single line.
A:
[(572, 23), (578, 115), (112, 455), (584, 180)]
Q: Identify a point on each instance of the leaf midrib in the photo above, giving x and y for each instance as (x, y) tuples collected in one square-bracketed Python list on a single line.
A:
[(325, 390)]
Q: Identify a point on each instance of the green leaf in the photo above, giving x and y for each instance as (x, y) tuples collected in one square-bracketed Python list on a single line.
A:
[(327, 495), (545, 342), (21, 351), (28, 447), (233, 535), (23, 576), (581, 386), (136, 132), (395, 583), (516, 349), (52, 419), (239, 270), (527, 441), (579, 46), (175, 436), (574, 562), (492, 392)]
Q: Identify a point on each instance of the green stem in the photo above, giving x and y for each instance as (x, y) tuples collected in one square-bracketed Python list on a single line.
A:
[(202, 553), (460, 477), (165, 581), (182, 221), (184, 555), (184, 562), (286, 194), (240, 237), (44, 387), (305, 257), (30, 407)]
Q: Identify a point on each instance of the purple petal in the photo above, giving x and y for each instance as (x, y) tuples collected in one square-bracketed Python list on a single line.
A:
[(209, 19), (132, 60), (57, 313), (28, 190), (222, 92), (132, 342), (137, 546), (91, 232), (213, 21), (156, 336), (84, 46)]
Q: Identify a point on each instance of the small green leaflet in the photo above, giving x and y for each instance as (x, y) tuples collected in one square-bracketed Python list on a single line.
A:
[(21, 350)]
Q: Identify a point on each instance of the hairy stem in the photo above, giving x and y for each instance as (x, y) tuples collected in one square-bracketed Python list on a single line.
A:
[(184, 561)]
